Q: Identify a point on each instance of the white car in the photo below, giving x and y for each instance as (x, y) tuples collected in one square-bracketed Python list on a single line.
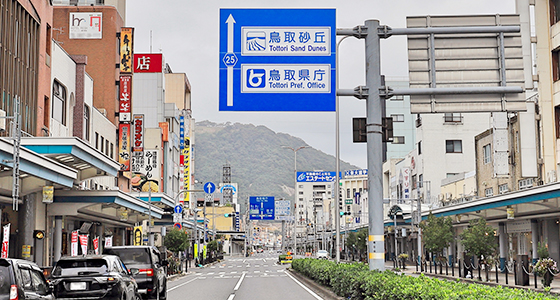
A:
[(323, 254)]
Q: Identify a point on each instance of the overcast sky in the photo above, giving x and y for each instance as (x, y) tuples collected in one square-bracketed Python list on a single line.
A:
[(187, 34)]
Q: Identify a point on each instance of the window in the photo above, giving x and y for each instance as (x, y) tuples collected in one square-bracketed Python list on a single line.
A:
[(300, 199), (348, 196), (107, 147), (414, 182), (452, 118), (421, 180), (397, 98), (489, 192), (398, 118), (486, 155), (557, 120), (112, 152), (555, 65), (59, 103), (419, 147), (398, 140), (102, 144), (503, 188), (86, 123), (453, 146), (525, 183), (97, 141), (26, 280), (554, 11)]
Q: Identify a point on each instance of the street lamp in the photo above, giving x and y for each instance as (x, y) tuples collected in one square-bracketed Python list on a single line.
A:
[(295, 193)]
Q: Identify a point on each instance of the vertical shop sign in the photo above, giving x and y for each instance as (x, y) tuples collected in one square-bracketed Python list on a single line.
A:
[(124, 147), (84, 243), (137, 235), (138, 145), (125, 98), (186, 173), (96, 245), (126, 46), (74, 243), (108, 241), (6, 241), (48, 192)]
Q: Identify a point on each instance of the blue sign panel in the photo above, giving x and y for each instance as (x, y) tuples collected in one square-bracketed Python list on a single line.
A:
[(178, 209), (277, 59), (316, 176), (209, 187), (261, 208), (237, 227), (361, 172)]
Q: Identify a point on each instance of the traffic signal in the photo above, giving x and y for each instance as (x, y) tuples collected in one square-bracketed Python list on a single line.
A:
[(229, 215), (340, 200), (345, 213)]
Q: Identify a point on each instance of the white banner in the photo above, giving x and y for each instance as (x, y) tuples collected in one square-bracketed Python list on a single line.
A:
[(84, 243), (108, 241)]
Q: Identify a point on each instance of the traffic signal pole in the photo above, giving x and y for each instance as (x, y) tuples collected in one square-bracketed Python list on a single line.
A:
[(374, 107)]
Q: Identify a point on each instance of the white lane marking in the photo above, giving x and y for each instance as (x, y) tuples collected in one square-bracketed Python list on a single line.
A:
[(231, 297), (239, 282), (170, 289), (304, 287), (264, 260)]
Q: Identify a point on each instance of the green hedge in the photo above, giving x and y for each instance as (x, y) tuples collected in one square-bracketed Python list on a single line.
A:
[(355, 281)]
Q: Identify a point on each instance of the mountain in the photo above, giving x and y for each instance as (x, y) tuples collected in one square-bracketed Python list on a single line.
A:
[(259, 164)]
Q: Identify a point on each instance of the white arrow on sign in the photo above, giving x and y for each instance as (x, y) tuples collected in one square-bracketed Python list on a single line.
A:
[(230, 21)]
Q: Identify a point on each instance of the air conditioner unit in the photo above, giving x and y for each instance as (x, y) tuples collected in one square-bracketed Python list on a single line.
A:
[(2, 120)]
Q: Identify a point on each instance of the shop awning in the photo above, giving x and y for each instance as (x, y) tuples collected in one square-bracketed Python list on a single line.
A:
[(111, 204), (36, 170), (160, 199), (74, 153)]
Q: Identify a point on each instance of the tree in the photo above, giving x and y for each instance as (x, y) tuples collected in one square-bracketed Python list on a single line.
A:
[(478, 239), (437, 233), (362, 241), (176, 240)]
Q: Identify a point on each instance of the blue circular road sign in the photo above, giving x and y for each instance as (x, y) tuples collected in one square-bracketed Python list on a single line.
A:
[(209, 187), (178, 209)]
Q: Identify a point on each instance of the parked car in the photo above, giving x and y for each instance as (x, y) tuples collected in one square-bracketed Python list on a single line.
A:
[(22, 279), (152, 276), (93, 277), (322, 254)]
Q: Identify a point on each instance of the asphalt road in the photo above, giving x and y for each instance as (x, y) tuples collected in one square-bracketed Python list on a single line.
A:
[(240, 278)]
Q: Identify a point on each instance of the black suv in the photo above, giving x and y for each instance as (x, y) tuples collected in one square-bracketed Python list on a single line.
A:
[(22, 279), (93, 277), (152, 278)]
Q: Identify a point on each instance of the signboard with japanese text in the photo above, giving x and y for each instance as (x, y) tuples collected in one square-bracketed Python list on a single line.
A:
[(186, 153), (261, 208), (6, 241), (148, 63), (125, 103), (48, 193), (316, 176), (138, 123), (84, 243), (86, 25), (277, 60), (362, 172), (124, 146), (282, 210), (146, 171), (137, 236), (406, 182), (126, 49), (108, 241), (74, 243), (96, 245)]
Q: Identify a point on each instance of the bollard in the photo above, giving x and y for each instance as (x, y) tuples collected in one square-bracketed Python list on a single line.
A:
[(453, 269), (506, 270), (535, 275), (446, 269), (514, 273), (479, 277), (486, 269), (430, 267), (497, 273), (460, 266)]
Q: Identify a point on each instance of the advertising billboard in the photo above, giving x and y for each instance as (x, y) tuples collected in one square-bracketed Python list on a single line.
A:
[(126, 48), (85, 25)]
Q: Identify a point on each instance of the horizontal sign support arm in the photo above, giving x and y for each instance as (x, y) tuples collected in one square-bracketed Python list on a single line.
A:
[(456, 90), (360, 92), (386, 31)]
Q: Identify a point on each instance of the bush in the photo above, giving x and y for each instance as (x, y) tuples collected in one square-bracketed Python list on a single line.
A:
[(355, 281)]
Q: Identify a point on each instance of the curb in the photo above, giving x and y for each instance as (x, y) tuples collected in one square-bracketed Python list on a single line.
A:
[(319, 289)]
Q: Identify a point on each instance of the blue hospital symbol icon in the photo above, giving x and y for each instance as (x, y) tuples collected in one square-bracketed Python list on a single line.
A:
[(256, 41), (256, 78)]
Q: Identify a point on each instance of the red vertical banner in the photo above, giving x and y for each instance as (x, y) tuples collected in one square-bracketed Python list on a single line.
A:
[(125, 98), (6, 241), (84, 243), (74, 243), (96, 245), (124, 147)]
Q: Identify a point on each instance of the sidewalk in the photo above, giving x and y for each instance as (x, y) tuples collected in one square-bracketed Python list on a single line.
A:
[(411, 270)]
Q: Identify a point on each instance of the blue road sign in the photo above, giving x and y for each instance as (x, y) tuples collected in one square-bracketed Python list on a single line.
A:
[(261, 208), (277, 59), (178, 226), (209, 187), (178, 209)]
